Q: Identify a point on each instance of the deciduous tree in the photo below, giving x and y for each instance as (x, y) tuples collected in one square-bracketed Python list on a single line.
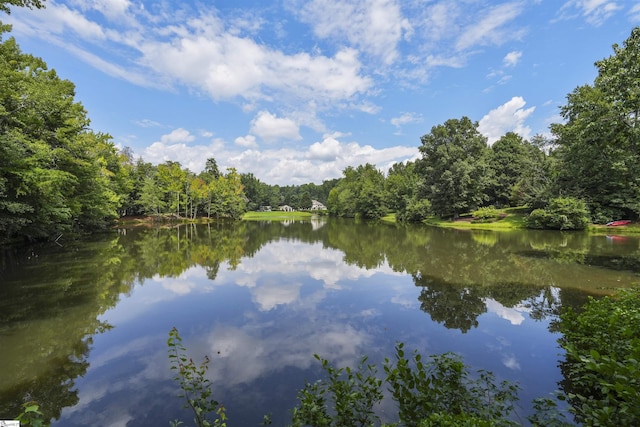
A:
[(599, 143), (454, 167)]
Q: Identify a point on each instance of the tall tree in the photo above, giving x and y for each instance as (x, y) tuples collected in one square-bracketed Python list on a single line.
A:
[(359, 193), (508, 156), (535, 184), (400, 187), (232, 194), (151, 196), (599, 143), (454, 167), (55, 174), (173, 179)]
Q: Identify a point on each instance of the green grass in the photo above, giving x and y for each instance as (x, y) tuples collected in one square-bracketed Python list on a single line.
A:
[(633, 228), (513, 219), (389, 218), (275, 216)]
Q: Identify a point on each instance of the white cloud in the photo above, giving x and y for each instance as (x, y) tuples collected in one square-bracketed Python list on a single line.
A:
[(595, 12), (509, 117), (147, 123), (175, 146), (112, 9), (272, 128), (406, 118), (225, 66), (60, 18), (201, 51), (177, 135), (248, 141), (447, 61), (439, 19), (634, 13), (327, 150), (319, 161), (489, 29), (322, 160), (511, 59), (374, 26)]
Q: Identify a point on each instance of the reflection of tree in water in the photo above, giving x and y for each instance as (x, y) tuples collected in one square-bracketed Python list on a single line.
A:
[(57, 311), (513, 294), (70, 288), (457, 307), (53, 390)]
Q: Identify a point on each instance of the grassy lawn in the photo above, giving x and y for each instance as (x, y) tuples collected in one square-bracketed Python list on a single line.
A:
[(389, 218), (511, 221), (624, 229), (275, 216)]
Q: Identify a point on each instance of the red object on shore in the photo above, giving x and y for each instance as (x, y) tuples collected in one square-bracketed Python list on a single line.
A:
[(620, 222)]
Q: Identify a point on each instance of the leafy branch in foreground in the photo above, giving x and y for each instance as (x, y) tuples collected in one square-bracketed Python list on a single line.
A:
[(440, 391), (602, 368), (194, 385), (32, 416), (353, 395)]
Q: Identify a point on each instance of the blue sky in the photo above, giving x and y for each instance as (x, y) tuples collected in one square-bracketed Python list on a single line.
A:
[(296, 90)]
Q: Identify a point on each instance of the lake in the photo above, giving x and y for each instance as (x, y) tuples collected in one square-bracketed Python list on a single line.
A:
[(84, 325)]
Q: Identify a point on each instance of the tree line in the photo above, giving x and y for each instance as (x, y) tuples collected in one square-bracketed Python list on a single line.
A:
[(588, 169), (58, 175)]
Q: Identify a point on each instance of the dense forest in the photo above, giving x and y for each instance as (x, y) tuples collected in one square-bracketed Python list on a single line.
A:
[(57, 175)]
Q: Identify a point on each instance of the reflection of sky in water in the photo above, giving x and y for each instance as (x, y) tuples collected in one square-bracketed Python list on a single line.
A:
[(261, 324)]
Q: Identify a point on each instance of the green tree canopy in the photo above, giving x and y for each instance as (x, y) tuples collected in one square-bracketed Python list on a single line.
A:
[(599, 144), (359, 193), (454, 167), (55, 173)]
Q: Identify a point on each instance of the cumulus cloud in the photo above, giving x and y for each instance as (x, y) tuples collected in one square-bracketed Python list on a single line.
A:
[(271, 128), (509, 117), (195, 49), (327, 150), (175, 146), (177, 135), (321, 160), (248, 141)]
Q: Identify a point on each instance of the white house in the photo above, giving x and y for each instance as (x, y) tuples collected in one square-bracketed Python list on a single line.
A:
[(317, 206)]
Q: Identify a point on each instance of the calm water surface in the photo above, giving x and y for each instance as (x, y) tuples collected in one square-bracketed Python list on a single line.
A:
[(83, 327)]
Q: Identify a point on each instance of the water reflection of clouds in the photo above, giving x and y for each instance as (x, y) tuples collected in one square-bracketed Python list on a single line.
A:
[(271, 294), (114, 374), (186, 282), (242, 355), (511, 362), (292, 258), (512, 314)]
